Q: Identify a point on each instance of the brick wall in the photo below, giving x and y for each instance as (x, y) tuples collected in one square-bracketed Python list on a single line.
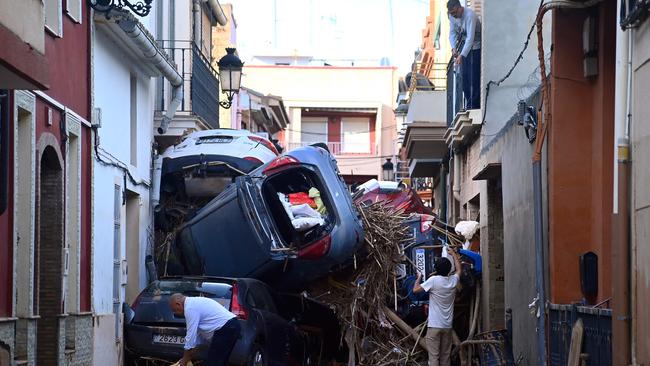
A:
[(50, 249)]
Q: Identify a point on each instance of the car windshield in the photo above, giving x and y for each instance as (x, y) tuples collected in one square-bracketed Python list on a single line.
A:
[(152, 306)]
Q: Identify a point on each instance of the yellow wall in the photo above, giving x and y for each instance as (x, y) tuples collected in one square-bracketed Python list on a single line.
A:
[(334, 87), (222, 37)]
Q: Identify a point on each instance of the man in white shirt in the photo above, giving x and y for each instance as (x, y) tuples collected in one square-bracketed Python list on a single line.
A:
[(465, 24), (206, 321), (442, 294)]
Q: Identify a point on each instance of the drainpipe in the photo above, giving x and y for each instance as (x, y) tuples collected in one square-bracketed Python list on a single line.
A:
[(150, 51), (621, 250), (218, 12), (196, 13), (177, 97), (456, 184)]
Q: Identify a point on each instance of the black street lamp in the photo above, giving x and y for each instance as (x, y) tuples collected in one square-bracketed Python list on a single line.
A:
[(387, 169), (139, 7), (230, 67)]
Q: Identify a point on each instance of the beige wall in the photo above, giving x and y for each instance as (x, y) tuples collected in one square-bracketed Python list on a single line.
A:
[(334, 87), (25, 19), (640, 142)]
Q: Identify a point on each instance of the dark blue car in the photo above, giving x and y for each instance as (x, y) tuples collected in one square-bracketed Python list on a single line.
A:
[(153, 333), (247, 231)]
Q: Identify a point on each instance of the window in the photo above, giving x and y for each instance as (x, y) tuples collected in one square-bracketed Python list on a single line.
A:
[(313, 129), (53, 17), (73, 9), (355, 135)]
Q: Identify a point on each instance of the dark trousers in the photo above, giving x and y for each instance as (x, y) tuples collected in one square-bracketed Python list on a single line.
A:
[(223, 341), (471, 69)]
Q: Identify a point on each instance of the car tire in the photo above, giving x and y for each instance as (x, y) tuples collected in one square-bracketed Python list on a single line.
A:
[(257, 357)]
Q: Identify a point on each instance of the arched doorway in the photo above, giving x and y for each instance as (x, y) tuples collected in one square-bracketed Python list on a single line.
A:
[(49, 276)]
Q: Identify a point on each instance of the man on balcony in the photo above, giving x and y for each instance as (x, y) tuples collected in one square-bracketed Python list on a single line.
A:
[(465, 38)]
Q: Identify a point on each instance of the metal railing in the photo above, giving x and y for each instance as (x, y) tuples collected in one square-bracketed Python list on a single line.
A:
[(427, 76), (200, 81), (597, 334), (455, 100), (340, 148)]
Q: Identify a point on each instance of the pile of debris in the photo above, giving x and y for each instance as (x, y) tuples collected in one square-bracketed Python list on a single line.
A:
[(363, 295)]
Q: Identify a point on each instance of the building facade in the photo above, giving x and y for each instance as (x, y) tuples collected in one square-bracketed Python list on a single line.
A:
[(223, 37), (126, 63), (186, 34), (477, 163), (45, 216), (348, 108)]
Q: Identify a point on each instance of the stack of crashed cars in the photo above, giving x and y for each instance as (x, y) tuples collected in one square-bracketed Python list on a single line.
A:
[(287, 222), (191, 173)]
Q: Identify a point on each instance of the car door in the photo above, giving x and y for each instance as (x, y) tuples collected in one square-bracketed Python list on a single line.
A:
[(228, 237), (279, 333)]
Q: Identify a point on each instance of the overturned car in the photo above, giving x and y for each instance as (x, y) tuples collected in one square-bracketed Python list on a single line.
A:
[(288, 222), (189, 174)]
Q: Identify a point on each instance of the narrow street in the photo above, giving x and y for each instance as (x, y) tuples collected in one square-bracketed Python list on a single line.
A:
[(324, 183)]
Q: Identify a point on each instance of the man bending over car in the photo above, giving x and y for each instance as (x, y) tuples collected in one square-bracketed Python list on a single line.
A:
[(206, 321)]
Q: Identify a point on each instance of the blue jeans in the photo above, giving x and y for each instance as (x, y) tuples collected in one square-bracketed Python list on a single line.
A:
[(471, 69)]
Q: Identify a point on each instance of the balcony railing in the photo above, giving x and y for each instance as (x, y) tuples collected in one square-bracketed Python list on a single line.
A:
[(200, 81), (429, 76), (340, 148), (455, 100)]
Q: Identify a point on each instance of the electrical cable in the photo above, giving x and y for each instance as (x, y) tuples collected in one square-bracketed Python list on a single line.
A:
[(112, 163), (512, 68), (347, 133)]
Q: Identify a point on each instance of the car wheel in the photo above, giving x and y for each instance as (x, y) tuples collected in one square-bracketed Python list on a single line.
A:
[(257, 356)]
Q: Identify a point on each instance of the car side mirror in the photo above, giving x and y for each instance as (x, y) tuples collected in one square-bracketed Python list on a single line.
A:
[(129, 314)]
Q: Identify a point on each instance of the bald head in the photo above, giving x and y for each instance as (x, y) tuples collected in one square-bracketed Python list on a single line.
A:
[(177, 303)]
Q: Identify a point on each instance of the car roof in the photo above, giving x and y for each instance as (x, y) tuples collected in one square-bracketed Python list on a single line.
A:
[(311, 155), (219, 131), (229, 280)]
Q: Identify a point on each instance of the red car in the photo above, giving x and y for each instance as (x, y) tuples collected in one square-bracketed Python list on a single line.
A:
[(397, 195)]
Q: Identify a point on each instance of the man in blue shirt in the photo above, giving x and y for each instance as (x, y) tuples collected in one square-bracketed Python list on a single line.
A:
[(467, 54), (206, 320)]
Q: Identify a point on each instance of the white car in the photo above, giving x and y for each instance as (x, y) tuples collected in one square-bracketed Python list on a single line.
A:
[(205, 162)]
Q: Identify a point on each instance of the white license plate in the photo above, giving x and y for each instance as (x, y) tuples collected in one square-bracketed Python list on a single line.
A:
[(420, 261), (168, 339), (215, 140)]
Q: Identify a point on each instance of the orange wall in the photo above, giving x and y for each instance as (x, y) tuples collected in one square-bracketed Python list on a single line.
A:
[(580, 152)]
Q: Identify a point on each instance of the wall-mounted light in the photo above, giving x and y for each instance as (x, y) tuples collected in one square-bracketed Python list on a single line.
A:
[(230, 68), (139, 7), (388, 170), (528, 119)]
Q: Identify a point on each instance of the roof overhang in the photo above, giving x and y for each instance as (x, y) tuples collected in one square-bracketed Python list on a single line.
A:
[(490, 171), (266, 110), (425, 140), (110, 25), (424, 168), (21, 66)]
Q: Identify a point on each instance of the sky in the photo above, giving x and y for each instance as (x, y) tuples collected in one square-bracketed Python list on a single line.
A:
[(331, 29)]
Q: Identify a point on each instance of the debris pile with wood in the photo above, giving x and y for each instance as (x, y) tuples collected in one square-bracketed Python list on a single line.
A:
[(363, 295)]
